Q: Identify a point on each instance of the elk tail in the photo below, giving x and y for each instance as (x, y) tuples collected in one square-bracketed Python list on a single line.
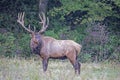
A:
[(78, 48)]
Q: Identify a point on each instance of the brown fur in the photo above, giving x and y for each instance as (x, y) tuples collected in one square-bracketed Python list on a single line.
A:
[(52, 48)]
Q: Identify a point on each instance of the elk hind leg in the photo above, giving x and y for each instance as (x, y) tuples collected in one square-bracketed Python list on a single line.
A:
[(75, 63), (77, 66)]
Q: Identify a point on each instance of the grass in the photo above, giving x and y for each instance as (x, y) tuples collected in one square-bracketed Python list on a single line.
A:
[(31, 69)]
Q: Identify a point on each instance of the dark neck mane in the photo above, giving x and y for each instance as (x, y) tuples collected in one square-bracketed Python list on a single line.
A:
[(37, 49)]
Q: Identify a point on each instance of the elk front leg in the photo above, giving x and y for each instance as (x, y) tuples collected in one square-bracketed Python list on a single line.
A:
[(45, 64)]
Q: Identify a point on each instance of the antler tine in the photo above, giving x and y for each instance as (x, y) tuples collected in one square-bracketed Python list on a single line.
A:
[(44, 18), (20, 20), (41, 18), (22, 17), (47, 22), (43, 21)]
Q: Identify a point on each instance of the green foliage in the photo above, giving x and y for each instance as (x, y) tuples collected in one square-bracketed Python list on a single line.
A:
[(72, 35), (100, 45), (51, 33), (7, 44), (11, 46), (114, 47), (85, 57), (24, 44), (97, 11)]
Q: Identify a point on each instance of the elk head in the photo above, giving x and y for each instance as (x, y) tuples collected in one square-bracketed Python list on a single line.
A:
[(36, 37)]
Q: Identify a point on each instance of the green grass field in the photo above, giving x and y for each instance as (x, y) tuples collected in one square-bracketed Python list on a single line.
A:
[(31, 69)]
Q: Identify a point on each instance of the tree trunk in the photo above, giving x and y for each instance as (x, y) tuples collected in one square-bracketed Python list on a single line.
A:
[(43, 6)]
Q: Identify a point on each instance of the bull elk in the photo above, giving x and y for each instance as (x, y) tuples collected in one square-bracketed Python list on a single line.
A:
[(48, 47)]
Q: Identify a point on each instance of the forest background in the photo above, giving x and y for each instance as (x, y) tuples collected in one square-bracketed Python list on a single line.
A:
[(95, 24)]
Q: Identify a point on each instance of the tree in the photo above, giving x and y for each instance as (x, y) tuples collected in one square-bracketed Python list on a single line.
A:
[(43, 5)]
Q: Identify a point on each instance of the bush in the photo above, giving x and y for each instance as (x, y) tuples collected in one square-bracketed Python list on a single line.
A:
[(100, 44), (51, 34), (23, 42), (11, 46), (114, 48), (7, 44)]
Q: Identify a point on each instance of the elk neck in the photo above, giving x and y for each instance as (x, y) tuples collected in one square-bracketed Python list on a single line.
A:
[(36, 43)]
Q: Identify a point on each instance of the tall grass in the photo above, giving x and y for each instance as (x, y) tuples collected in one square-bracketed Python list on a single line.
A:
[(31, 69)]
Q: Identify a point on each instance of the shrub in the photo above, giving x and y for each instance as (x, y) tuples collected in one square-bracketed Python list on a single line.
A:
[(11, 46), (23, 42), (51, 33), (7, 44)]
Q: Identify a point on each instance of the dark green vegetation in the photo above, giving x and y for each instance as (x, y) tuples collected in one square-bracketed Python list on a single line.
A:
[(95, 24)]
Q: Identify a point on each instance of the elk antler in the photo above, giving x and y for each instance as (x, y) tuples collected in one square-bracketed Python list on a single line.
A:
[(21, 21), (43, 22)]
